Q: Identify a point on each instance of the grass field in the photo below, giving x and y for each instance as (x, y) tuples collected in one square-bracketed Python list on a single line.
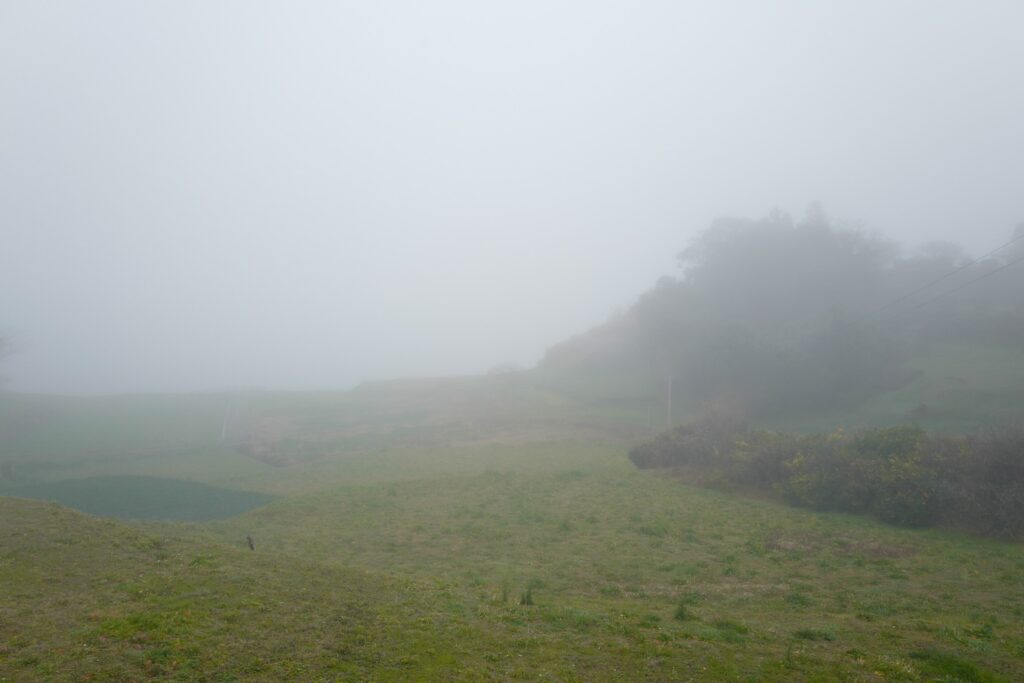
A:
[(469, 529)]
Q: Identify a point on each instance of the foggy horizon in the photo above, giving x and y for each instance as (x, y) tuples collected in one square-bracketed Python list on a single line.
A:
[(196, 197)]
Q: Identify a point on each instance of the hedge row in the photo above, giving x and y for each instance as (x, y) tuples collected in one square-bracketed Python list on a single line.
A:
[(900, 474)]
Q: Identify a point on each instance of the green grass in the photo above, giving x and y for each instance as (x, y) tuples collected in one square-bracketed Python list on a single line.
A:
[(757, 580), (957, 388), (474, 529), (87, 599)]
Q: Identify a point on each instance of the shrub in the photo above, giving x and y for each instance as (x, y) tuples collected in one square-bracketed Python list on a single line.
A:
[(700, 441), (762, 460), (897, 474), (894, 475), (815, 475), (882, 472), (983, 487)]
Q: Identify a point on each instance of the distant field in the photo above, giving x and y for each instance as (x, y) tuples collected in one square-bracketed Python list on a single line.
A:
[(471, 529), (228, 439), (254, 440)]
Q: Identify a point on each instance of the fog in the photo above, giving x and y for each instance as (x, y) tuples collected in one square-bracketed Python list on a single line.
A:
[(309, 195)]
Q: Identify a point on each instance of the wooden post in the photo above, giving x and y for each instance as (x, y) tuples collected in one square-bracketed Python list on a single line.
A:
[(224, 424), (668, 410)]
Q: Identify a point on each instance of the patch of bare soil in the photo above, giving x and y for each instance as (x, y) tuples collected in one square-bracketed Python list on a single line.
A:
[(269, 440), (286, 441), (779, 540)]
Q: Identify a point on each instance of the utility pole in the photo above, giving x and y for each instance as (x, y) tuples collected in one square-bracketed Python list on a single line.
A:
[(668, 409), (224, 421)]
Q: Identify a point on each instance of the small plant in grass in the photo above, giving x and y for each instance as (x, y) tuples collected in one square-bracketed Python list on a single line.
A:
[(656, 529), (798, 599), (731, 631), (981, 632), (526, 598), (683, 612), (951, 667), (650, 620), (686, 600), (814, 634)]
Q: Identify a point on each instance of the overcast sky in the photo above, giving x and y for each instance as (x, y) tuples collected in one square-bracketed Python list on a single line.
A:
[(196, 195)]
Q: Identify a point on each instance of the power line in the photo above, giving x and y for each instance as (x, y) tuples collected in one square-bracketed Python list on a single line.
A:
[(957, 289), (949, 274)]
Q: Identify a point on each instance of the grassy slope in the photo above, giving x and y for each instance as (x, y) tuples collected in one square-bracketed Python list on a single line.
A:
[(423, 579), (422, 514), (90, 599), (957, 388), (772, 593)]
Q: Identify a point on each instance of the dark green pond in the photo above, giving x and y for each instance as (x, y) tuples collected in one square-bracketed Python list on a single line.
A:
[(145, 498)]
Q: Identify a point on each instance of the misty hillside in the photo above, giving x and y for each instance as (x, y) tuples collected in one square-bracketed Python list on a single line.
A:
[(309, 369), (779, 318)]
